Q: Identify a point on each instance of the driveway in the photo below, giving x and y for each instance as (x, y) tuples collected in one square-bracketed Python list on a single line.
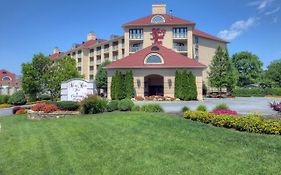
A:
[(243, 105), (9, 111)]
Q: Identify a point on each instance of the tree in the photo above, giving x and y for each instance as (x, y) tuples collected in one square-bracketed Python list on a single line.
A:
[(221, 73), (32, 75), (273, 72), (193, 87), (62, 69), (101, 76), (185, 86), (249, 67), (129, 84)]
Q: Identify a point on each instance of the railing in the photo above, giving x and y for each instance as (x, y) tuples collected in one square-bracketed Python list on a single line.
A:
[(179, 35), (79, 64), (180, 48), (98, 52), (79, 55), (114, 48), (135, 49), (115, 57), (91, 54), (92, 63), (99, 61), (106, 49), (91, 71), (136, 36), (123, 45)]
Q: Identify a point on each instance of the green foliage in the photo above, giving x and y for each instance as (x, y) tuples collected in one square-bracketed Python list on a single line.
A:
[(136, 108), (249, 123), (274, 72), (222, 73), (93, 105), (152, 108), (125, 105), (44, 97), (18, 98), (4, 99), (256, 92), (185, 108), (129, 84), (112, 106), (62, 69), (67, 105), (249, 67), (32, 76), (185, 86), (221, 106), (101, 76), (201, 108)]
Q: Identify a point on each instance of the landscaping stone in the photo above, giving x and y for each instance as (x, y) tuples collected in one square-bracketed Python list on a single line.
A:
[(39, 115)]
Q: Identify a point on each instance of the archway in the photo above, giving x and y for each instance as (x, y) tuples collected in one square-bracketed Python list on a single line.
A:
[(153, 85)]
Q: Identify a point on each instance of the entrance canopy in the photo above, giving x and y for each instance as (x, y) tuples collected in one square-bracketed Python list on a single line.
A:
[(155, 56)]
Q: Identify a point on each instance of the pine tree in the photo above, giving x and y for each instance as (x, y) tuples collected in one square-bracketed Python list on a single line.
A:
[(193, 88), (185, 86), (176, 91), (113, 87), (129, 84)]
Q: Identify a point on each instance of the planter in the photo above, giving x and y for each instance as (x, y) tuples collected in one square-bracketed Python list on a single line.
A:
[(39, 115)]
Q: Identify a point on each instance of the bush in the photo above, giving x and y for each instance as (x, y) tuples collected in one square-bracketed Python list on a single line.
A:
[(46, 108), (249, 123), (185, 108), (21, 111), (4, 99), (15, 109), (139, 98), (44, 97), (256, 92), (152, 108), (136, 108), (201, 108), (125, 105), (18, 98), (5, 106), (112, 106), (221, 106), (93, 104), (276, 106), (224, 112), (67, 105)]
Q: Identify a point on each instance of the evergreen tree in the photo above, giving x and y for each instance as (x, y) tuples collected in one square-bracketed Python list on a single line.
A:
[(112, 87), (193, 88), (129, 84), (185, 86), (176, 91)]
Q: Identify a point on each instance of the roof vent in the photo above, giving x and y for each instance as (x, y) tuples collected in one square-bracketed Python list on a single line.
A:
[(155, 48)]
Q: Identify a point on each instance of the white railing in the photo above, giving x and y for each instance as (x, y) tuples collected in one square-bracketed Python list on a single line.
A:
[(180, 48), (114, 48), (135, 49), (136, 36), (179, 35), (92, 63)]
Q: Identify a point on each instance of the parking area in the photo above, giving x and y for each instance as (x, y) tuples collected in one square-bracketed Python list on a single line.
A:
[(243, 105)]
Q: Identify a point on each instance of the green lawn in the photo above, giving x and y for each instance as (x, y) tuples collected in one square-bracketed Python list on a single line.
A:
[(132, 143)]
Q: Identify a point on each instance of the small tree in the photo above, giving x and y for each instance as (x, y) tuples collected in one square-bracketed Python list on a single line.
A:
[(273, 72), (193, 87), (112, 87), (101, 76), (129, 84), (220, 75)]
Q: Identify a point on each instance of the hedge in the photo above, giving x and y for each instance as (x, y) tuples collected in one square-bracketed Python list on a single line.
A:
[(152, 108), (256, 92), (249, 123)]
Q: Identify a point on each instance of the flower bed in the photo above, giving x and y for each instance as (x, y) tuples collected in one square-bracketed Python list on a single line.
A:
[(154, 98), (249, 123)]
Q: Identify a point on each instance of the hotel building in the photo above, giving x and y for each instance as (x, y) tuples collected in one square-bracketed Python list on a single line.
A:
[(154, 47)]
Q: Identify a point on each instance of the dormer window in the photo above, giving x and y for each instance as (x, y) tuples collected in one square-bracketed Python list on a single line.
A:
[(6, 78), (158, 19), (153, 59)]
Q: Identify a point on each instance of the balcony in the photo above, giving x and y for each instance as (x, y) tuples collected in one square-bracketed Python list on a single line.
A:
[(98, 52), (92, 63), (123, 45), (79, 64), (180, 48), (115, 48), (79, 55), (91, 71), (91, 54), (135, 48), (180, 35), (136, 36), (106, 58), (99, 61), (106, 49), (115, 57)]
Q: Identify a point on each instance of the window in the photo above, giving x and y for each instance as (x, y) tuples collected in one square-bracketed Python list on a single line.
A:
[(155, 48), (136, 33), (180, 32), (158, 19), (196, 39), (91, 77), (6, 78), (153, 59)]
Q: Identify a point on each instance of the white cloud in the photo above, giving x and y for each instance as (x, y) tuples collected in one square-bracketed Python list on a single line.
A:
[(261, 4), (237, 28), (272, 11)]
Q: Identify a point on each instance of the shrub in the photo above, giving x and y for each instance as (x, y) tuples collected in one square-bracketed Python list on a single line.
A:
[(125, 105), (221, 106), (4, 99), (185, 108), (136, 108), (21, 111), (249, 123), (67, 105), (15, 109), (112, 106), (18, 98), (152, 108), (38, 107), (47, 108), (256, 92), (224, 112), (139, 98), (44, 97), (276, 106), (201, 108), (93, 104), (5, 106)]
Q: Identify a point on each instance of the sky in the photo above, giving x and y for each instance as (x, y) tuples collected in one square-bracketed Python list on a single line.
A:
[(28, 27)]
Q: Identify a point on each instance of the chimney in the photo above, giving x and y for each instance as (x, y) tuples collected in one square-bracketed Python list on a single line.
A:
[(91, 36), (159, 9), (56, 50)]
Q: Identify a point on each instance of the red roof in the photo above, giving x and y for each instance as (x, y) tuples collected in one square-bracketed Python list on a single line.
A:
[(169, 20), (206, 35), (56, 55), (171, 59), (91, 42)]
